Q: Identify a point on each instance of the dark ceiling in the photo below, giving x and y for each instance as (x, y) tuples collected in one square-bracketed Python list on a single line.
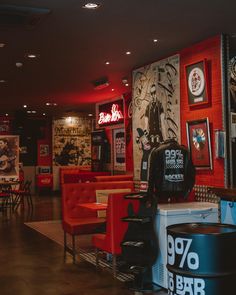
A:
[(73, 45)]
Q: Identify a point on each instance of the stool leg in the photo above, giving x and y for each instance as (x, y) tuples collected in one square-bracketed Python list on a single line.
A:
[(65, 245), (73, 248), (114, 265), (97, 257)]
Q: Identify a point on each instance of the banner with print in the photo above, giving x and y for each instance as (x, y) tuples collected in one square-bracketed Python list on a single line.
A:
[(9, 157), (72, 141), (119, 149), (156, 109)]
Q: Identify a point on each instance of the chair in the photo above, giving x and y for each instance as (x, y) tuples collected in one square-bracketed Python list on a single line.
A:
[(115, 229), (5, 201), (24, 192)]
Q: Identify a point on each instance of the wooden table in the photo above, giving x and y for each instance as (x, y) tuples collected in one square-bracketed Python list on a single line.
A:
[(93, 206)]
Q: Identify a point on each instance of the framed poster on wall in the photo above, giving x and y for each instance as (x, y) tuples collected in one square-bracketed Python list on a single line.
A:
[(199, 143), (43, 150), (9, 157), (197, 83), (119, 149)]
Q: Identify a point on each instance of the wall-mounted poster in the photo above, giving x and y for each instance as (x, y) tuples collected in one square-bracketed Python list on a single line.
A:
[(232, 83), (9, 156), (43, 150), (72, 141), (119, 149), (199, 143), (197, 83), (156, 109)]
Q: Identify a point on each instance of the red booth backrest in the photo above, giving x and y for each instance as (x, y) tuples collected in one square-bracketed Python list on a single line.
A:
[(75, 175), (116, 228), (123, 177), (76, 193)]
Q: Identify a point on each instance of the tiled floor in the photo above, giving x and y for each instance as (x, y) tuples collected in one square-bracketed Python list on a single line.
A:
[(31, 264)]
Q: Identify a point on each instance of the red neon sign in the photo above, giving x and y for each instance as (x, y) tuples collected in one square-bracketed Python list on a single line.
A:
[(115, 115)]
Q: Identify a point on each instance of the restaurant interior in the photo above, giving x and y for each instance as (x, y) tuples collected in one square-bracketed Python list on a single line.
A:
[(117, 147)]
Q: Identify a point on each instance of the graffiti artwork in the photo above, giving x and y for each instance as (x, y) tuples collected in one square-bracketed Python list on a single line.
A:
[(156, 108)]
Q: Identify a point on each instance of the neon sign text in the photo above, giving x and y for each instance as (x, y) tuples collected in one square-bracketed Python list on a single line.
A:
[(115, 115)]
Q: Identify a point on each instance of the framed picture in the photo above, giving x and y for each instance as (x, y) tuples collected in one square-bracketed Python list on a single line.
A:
[(9, 159), (44, 150), (119, 149), (197, 83), (199, 143)]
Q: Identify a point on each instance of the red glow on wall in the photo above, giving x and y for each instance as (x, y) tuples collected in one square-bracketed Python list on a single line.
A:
[(211, 51), (113, 117)]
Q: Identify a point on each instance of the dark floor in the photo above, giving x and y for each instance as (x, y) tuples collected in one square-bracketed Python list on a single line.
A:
[(31, 264)]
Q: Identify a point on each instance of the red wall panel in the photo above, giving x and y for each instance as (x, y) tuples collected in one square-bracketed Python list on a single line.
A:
[(211, 51)]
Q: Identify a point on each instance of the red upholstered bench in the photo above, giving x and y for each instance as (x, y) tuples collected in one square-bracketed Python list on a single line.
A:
[(123, 177), (76, 175), (77, 220)]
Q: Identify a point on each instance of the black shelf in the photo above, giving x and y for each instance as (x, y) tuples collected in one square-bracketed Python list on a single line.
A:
[(139, 219), (136, 244), (135, 196)]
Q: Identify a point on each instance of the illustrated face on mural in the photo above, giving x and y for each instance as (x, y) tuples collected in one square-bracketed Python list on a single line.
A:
[(3, 144), (153, 93)]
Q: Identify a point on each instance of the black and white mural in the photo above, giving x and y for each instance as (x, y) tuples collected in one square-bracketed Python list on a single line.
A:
[(156, 109), (72, 141)]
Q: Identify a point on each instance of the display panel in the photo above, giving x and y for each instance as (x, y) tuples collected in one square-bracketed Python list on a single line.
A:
[(199, 143), (197, 83)]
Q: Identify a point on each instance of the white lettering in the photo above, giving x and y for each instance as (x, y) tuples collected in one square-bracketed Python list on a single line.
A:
[(199, 286), (174, 177), (179, 285)]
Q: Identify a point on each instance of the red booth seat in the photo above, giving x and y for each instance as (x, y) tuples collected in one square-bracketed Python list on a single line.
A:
[(77, 220), (115, 228)]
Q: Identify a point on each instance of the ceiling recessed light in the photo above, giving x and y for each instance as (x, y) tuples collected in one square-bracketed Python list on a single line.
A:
[(55, 104), (2, 45), (6, 115), (113, 89), (126, 84), (91, 5), (155, 40), (107, 62), (19, 64), (48, 103), (128, 53), (3, 81), (31, 55), (25, 106), (29, 112), (44, 114), (90, 115)]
